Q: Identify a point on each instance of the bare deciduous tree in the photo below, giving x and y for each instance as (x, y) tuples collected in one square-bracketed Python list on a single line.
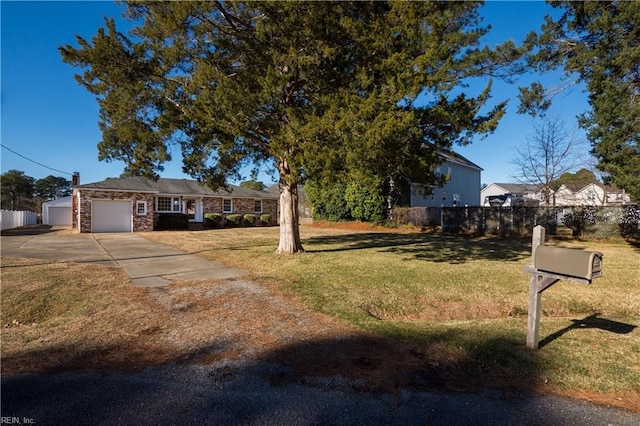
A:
[(552, 150)]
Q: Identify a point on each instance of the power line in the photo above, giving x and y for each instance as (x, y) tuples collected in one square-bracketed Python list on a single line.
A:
[(35, 162)]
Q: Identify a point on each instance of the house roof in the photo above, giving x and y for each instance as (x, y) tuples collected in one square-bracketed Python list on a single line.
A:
[(64, 201), (454, 157), (518, 188), (172, 187)]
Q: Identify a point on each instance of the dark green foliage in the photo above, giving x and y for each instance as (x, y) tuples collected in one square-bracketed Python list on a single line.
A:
[(213, 220), (597, 42), (17, 190), (265, 219), (365, 200), (52, 187), (172, 221), (581, 178), (328, 202), (233, 220), (249, 219)]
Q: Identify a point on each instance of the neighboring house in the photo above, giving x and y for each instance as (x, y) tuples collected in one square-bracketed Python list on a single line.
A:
[(57, 212), (135, 203), (593, 194), (462, 186), (513, 189)]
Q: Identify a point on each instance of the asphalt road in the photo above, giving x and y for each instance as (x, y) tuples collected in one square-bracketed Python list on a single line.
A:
[(228, 394)]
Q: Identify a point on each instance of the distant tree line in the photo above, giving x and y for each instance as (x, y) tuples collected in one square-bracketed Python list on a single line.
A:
[(22, 192)]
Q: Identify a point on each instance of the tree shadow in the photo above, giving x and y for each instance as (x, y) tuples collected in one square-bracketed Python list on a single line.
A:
[(386, 364), (592, 321), (635, 243), (429, 247), (31, 230), (351, 379)]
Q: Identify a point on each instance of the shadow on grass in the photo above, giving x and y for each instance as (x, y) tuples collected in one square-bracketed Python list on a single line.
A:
[(430, 247), (362, 362), (592, 321)]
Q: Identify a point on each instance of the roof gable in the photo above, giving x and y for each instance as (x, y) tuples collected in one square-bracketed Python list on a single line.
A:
[(455, 158), (518, 188)]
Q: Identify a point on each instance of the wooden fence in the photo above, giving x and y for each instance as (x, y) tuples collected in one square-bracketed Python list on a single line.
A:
[(599, 222), (13, 219)]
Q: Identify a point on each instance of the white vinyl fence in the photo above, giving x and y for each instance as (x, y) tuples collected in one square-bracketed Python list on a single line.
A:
[(14, 219)]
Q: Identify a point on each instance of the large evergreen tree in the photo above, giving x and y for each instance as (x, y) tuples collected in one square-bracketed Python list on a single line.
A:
[(597, 42), (310, 87)]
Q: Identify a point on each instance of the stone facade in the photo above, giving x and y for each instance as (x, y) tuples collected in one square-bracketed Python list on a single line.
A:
[(81, 206), (242, 206)]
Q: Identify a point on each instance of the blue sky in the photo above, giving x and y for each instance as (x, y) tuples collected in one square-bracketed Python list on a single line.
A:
[(49, 118)]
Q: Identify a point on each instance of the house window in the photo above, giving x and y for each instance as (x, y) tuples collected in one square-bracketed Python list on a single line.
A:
[(141, 208), (257, 206), (168, 204), (227, 205)]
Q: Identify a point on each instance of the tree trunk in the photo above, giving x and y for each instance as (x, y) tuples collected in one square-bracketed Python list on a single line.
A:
[(289, 228)]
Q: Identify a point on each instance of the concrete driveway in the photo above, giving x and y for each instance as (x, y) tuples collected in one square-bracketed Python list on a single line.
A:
[(148, 263)]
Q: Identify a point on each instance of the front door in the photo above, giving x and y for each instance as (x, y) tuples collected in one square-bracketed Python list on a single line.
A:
[(193, 209)]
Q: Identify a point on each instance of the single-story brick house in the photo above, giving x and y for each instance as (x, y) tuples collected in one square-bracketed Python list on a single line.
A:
[(134, 204)]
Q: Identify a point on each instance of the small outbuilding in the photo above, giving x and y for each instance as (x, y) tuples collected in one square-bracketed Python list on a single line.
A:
[(57, 212)]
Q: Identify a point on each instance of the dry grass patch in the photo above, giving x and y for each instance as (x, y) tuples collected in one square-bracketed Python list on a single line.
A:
[(58, 316)]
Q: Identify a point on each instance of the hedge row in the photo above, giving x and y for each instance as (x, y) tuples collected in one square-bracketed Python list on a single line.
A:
[(216, 220), (176, 221)]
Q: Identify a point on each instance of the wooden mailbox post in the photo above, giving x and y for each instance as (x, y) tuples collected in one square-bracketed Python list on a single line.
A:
[(550, 265)]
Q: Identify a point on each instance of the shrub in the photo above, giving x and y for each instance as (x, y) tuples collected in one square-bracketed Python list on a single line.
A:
[(327, 200), (234, 220), (265, 219), (365, 202), (213, 220), (249, 219), (172, 221)]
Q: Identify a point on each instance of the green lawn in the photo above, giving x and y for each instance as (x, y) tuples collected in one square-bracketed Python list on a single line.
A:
[(460, 301)]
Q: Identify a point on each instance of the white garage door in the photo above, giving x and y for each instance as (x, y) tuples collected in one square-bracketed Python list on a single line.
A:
[(59, 216), (111, 216)]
